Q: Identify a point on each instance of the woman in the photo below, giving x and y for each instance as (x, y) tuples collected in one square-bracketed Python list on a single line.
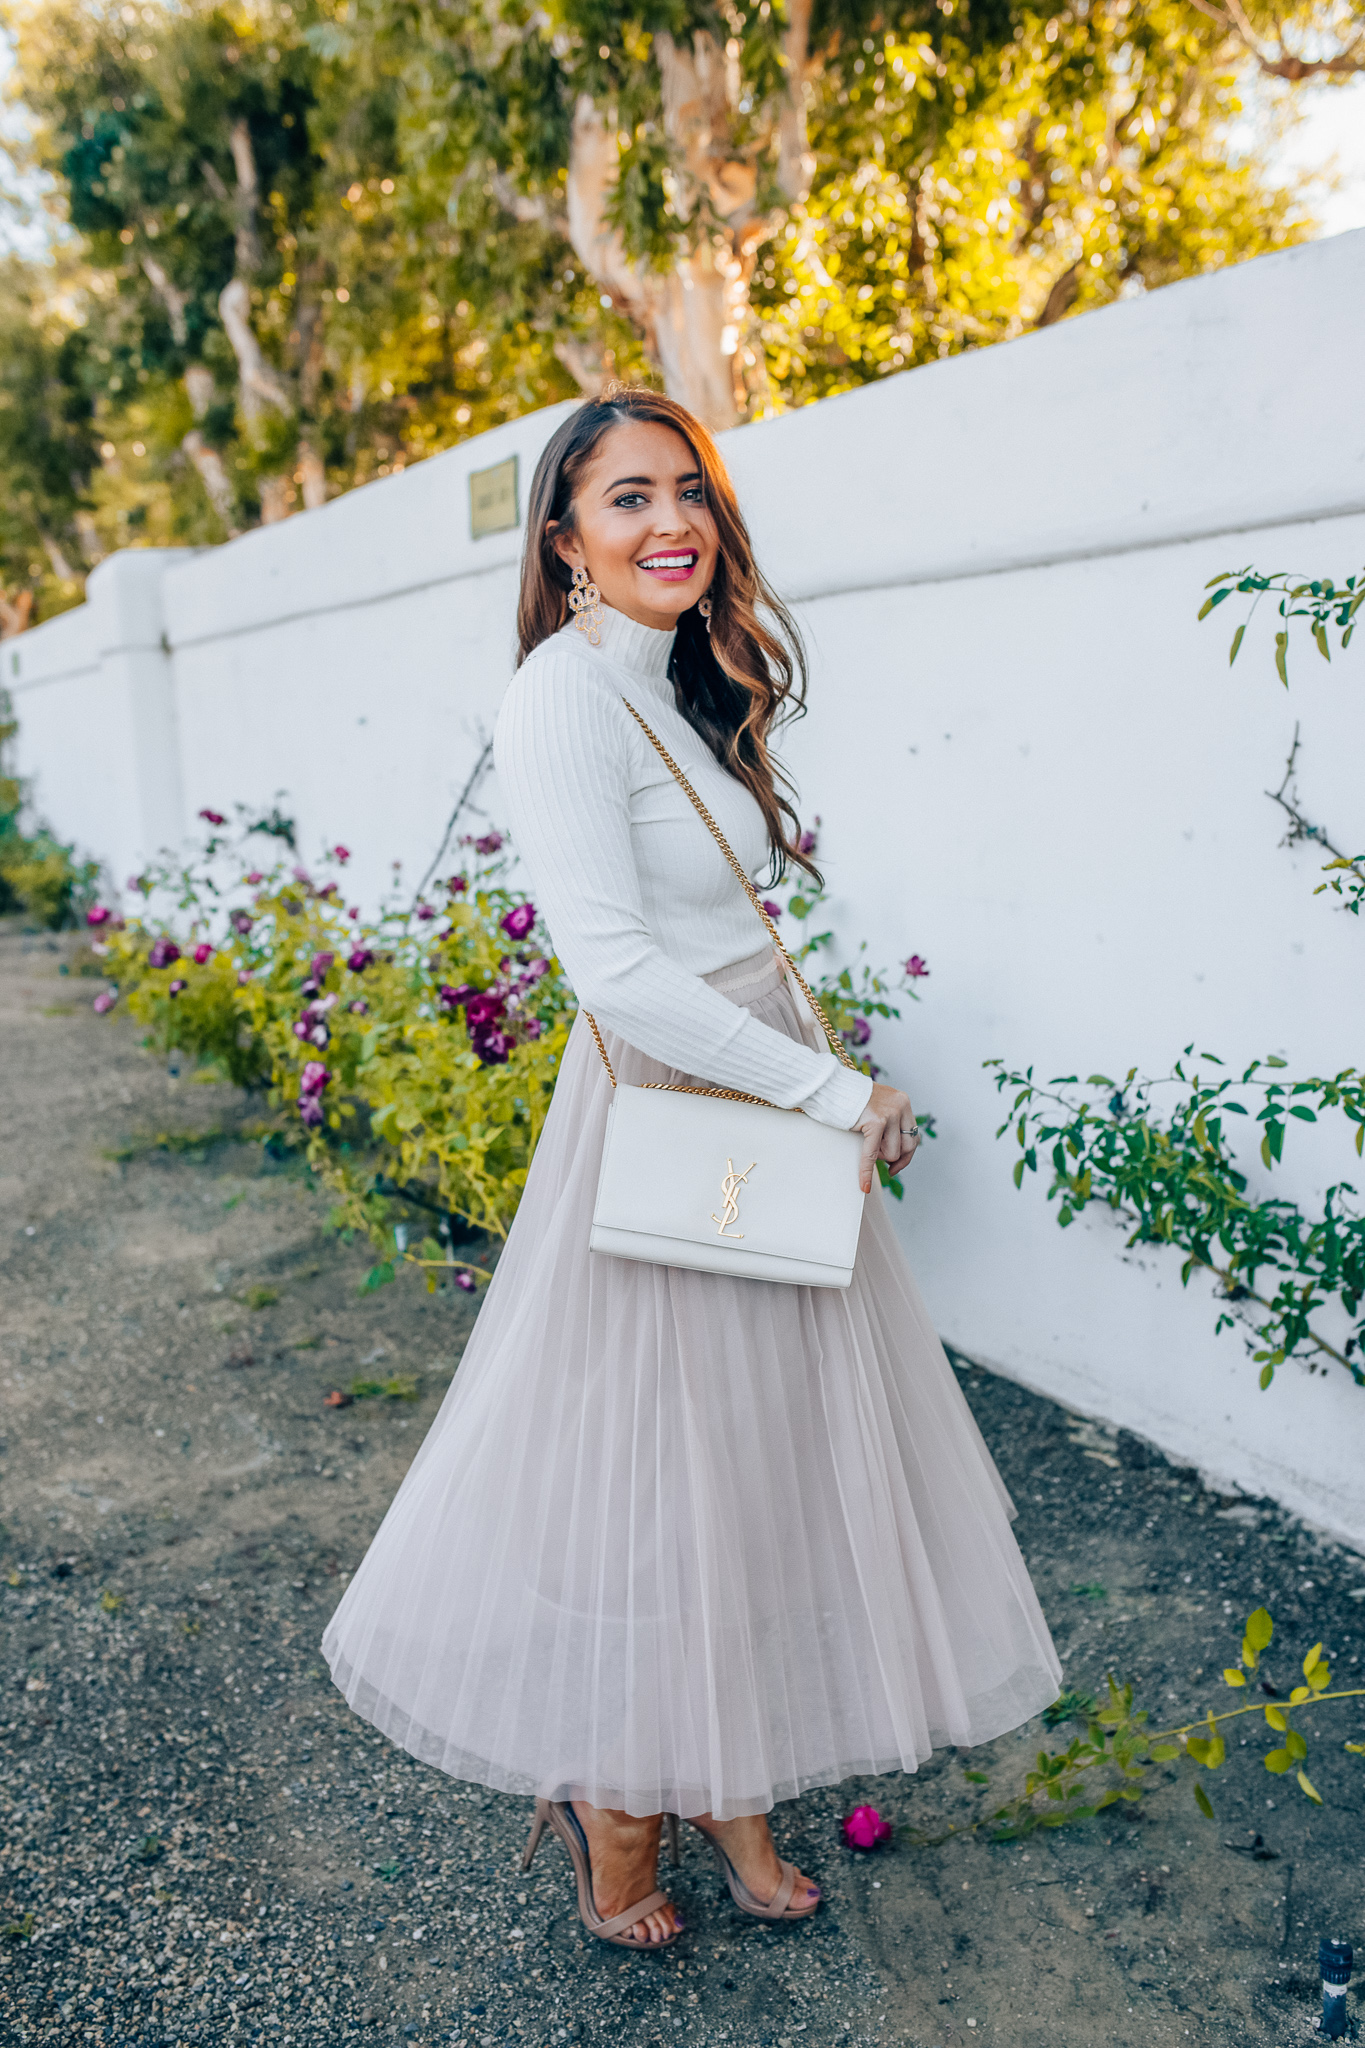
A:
[(680, 1543)]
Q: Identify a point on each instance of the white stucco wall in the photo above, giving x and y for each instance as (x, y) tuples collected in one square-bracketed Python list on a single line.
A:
[(1033, 766)]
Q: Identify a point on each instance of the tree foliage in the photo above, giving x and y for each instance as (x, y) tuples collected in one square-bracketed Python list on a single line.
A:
[(309, 244)]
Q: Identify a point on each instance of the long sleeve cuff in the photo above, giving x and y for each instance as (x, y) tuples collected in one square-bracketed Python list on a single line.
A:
[(840, 1099)]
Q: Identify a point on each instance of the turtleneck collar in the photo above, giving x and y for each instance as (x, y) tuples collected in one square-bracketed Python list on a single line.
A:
[(641, 651)]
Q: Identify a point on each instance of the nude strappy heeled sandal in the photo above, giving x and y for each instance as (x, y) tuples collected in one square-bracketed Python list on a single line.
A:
[(561, 1820), (779, 1906)]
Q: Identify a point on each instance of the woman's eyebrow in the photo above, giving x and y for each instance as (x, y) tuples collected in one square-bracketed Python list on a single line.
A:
[(688, 476)]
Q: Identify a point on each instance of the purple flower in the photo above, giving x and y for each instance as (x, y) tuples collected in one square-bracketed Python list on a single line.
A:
[(254, 877), (858, 1032), (177, 987), (163, 953), (915, 967), (310, 1111), (483, 1008), (360, 959), (806, 843), (490, 843), (105, 1001), (301, 875), (454, 998), (321, 963), (773, 909), (359, 1008), (425, 913), (202, 953), (241, 923), (491, 1045), (534, 970), (467, 1281), (98, 915), (341, 853), (314, 1078), (534, 1027), (458, 884), (865, 1828), (213, 817), (518, 922), (243, 976)]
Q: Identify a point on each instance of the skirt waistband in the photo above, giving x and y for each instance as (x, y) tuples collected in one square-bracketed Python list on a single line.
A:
[(744, 981)]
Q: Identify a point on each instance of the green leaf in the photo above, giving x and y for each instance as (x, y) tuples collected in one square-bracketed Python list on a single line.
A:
[(1163, 1752), (1266, 1376), (1273, 1060), (1236, 644), (1305, 1786), (1202, 1801), (976, 1777), (1018, 1173), (1259, 1629), (1281, 651), (1277, 1761), (1320, 635), (1275, 1719), (1232, 1676), (378, 1276), (1296, 1745)]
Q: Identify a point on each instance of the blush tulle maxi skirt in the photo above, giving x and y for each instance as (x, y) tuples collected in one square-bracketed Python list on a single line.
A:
[(681, 1542)]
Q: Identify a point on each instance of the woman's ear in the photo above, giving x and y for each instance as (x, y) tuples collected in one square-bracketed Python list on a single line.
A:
[(566, 544)]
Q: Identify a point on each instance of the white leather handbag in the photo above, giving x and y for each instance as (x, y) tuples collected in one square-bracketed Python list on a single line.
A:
[(723, 1182)]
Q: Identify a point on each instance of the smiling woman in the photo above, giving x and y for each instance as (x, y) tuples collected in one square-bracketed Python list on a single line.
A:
[(681, 1541)]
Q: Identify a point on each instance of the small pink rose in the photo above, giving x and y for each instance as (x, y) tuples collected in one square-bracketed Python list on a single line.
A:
[(105, 1001), (254, 877), (467, 1281), (915, 967), (865, 1828), (201, 954), (213, 817), (773, 909), (99, 915), (341, 853)]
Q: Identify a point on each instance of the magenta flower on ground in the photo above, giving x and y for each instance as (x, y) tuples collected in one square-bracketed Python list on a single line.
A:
[(490, 843), (518, 922), (202, 952), (321, 963), (241, 922), (533, 1027), (773, 909), (865, 1828), (458, 884), (254, 877), (467, 1281), (163, 954), (451, 998), (915, 967), (425, 913), (314, 1078), (213, 817), (858, 1032), (359, 1008), (360, 959), (177, 987), (243, 976), (105, 1001), (310, 1110), (341, 853), (98, 915)]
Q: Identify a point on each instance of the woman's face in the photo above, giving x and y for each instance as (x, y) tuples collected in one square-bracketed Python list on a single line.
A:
[(642, 532)]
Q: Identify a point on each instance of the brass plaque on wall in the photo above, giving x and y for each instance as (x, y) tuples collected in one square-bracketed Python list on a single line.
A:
[(493, 499)]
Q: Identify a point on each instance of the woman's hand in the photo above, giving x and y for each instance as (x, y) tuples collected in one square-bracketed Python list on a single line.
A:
[(889, 1132)]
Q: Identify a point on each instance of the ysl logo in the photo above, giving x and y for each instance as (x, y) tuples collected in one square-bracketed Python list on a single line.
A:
[(729, 1189)]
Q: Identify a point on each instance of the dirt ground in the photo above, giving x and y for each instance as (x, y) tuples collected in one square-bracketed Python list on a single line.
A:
[(202, 1844)]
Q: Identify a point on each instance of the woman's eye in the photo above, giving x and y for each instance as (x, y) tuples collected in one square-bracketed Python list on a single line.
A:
[(628, 500), (693, 494)]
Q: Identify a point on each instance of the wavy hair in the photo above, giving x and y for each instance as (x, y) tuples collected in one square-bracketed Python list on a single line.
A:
[(734, 684)]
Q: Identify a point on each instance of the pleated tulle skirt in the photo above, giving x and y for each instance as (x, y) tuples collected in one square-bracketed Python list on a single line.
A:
[(682, 1542)]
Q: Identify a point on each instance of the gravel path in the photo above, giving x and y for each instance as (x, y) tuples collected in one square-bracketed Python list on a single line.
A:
[(204, 1846)]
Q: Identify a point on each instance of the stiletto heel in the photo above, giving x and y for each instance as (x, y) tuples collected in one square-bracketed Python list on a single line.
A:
[(538, 1826), (779, 1906), (674, 1846), (564, 1822)]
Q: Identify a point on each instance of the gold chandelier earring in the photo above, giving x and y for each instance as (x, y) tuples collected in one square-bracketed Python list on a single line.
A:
[(585, 601), (704, 607)]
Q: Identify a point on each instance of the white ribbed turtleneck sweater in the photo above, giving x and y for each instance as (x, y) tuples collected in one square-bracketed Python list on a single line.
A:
[(636, 893)]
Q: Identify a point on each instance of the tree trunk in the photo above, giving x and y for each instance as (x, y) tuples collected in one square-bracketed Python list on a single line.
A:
[(692, 315)]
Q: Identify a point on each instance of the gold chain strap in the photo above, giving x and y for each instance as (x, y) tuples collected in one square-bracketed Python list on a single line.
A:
[(836, 1044)]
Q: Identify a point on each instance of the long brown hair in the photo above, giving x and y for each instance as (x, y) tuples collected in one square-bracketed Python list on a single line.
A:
[(735, 683)]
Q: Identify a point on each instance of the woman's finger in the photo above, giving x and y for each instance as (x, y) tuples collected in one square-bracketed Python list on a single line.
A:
[(872, 1132)]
